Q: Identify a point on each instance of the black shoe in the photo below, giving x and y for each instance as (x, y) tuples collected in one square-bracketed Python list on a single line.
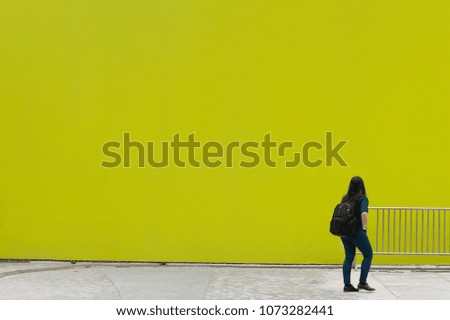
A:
[(366, 287), (350, 288)]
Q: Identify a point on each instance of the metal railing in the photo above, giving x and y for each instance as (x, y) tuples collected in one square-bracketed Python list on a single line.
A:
[(409, 230)]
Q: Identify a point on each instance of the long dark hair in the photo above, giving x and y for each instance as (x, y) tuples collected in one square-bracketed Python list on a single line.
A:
[(356, 189)]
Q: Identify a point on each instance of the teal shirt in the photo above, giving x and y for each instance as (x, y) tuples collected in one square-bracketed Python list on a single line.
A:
[(364, 207)]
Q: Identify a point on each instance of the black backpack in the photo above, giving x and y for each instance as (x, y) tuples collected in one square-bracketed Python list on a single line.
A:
[(344, 222)]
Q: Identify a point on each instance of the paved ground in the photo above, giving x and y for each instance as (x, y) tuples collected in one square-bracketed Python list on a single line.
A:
[(108, 281)]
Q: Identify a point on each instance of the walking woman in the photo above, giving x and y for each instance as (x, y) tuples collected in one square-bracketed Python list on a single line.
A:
[(357, 192)]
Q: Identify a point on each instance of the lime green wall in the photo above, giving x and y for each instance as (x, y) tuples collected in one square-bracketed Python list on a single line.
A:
[(75, 74)]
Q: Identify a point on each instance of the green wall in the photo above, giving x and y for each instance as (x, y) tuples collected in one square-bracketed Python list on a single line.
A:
[(77, 74)]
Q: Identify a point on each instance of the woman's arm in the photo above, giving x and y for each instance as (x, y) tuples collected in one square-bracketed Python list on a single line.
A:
[(364, 212), (364, 219)]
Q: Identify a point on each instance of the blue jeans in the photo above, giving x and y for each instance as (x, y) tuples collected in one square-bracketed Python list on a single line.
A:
[(360, 241)]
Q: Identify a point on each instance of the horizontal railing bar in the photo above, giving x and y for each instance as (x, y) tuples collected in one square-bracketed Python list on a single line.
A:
[(409, 253), (413, 253), (411, 208)]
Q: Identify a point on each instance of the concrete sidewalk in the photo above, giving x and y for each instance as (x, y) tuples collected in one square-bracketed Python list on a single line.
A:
[(133, 281)]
